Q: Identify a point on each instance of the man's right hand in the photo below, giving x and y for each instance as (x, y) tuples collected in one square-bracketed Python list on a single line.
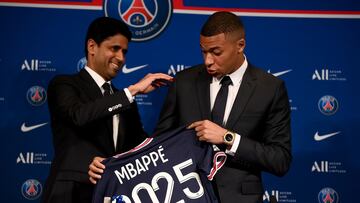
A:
[(149, 83), (96, 168)]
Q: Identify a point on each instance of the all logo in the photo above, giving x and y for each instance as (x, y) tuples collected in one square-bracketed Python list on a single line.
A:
[(36, 95), (328, 105), (275, 195), (32, 158), (176, 68), (146, 19), (31, 189), (321, 75), (268, 197), (323, 166), (30, 65), (35, 65), (25, 158), (334, 167), (328, 75), (328, 195)]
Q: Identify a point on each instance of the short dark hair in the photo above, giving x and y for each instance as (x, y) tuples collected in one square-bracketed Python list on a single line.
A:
[(222, 22), (103, 27)]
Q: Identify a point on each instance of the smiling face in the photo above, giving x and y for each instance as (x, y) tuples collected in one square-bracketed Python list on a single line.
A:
[(108, 57), (222, 53)]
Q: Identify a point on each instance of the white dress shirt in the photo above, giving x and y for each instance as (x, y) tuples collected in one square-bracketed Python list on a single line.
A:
[(236, 78)]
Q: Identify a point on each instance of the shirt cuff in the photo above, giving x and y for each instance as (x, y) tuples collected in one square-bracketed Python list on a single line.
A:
[(128, 95), (235, 145)]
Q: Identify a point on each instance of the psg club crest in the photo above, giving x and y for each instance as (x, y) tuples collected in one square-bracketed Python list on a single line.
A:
[(145, 18), (328, 195), (328, 105), (36, 95), (31, 189)]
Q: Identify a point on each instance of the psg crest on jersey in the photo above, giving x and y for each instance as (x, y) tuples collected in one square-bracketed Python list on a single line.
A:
[(146, 19), (31, 189)]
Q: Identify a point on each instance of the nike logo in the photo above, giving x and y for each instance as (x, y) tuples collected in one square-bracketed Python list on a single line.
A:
[(127, 70), (25, 128), (279, 73), (318, 137)]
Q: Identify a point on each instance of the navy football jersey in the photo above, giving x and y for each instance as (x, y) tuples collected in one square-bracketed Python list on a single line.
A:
[(173, 167)]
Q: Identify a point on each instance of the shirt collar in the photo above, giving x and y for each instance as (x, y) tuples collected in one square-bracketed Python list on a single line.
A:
[(98, 79), (237, 75)]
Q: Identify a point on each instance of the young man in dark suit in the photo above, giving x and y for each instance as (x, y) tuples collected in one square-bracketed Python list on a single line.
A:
[(89, 116), (230, 103), (235, 106)]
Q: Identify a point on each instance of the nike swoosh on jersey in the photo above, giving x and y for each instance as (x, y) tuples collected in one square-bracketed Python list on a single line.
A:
[(279, 73), (25, 128), (132, 69), (318, 137)]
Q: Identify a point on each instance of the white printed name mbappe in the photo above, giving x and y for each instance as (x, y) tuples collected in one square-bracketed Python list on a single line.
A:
[(140, 165)]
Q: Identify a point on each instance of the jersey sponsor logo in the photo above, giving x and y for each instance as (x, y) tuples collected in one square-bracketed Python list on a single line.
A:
[(25, 128), (318, 137), (279, 73), (36, 95), (146, 19), (328, 105), (127, 70), (31, 189), (328, 195)]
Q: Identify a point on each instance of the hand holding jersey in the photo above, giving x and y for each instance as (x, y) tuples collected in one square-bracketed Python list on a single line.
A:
[(208, 131), (205, 130)]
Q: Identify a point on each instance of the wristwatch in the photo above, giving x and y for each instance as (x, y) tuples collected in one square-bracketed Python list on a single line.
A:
[(229, 138)]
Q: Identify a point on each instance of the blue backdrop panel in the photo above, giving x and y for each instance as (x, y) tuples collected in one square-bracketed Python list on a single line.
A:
[(314, 49)]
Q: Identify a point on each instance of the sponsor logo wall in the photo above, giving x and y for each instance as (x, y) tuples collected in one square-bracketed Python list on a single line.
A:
[(313, 49)]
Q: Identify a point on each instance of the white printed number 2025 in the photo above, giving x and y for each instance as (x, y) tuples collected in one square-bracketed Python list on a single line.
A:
[(151, 189)]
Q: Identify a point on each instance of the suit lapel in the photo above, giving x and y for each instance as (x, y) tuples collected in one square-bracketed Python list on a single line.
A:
[(90, 86), (203, 93), (94, 92), (245, 91)]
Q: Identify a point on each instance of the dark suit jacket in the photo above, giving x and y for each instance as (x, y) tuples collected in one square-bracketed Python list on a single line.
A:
[(81, 121), (260, 114)]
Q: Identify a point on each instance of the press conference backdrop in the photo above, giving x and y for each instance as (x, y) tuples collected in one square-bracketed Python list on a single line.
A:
[(313, 46)]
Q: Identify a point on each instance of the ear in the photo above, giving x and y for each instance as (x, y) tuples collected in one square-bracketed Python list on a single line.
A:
[(91, 45), (241, 45)]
